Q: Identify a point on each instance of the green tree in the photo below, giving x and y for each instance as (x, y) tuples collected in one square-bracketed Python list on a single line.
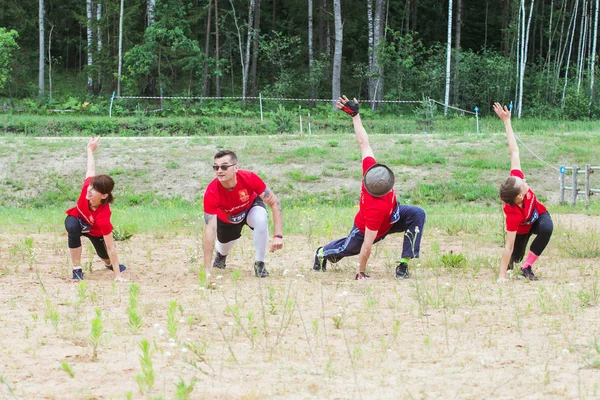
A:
[(8, 44)]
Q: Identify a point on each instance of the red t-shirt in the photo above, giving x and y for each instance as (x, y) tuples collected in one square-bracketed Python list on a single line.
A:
[(375, 213), (231, 206), (99, 220), (518, 218)]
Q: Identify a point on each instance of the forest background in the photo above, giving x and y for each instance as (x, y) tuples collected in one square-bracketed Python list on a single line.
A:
[(540, 55)]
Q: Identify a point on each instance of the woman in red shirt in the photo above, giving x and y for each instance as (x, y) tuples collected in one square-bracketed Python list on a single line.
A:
[(525, 215), (91, 218)]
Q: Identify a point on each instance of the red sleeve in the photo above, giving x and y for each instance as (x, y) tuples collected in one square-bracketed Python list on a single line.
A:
[(513, 220), (210, 199), (256, 183), (367, 163), (517, 172)]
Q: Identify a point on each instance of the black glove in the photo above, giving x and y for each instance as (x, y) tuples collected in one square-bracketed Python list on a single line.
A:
[(350, 108)]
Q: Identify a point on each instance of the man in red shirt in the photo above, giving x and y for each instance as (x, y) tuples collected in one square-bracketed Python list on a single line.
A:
[(525, 215), (379, 214), (233, 199)]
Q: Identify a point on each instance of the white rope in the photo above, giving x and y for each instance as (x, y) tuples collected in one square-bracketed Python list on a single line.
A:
[(536, 156), (257, 98), (454, 108)]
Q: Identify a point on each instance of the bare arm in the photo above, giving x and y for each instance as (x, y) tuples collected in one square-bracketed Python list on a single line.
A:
[(506, 254), (365, 250), (111, 249), (504, 114), (269, 197), (210, 235), (361, 134), (91, 164)]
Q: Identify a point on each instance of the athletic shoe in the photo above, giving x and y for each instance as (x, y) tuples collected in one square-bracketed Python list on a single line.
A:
[(122, 268), (528, 273), (219, 261), (361, 275), (402, 271), (260, 270), (78, 274), (320, 263)]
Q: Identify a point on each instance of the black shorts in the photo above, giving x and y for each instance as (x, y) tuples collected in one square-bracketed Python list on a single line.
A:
[(73, 227), (228, 232)]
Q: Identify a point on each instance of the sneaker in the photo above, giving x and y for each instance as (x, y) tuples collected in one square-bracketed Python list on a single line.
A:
[(362, 275), (260, 270), (85, 228), (528, 273), (219, 261), (122, 268), (320, 263), (402, 271), (78, 274)]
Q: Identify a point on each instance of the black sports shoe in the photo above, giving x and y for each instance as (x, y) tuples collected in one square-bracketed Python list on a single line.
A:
[(122, 268), (528, 273), (260, 270), (78, 274), (402, 271), (219, 261), (361, 275), (320, 263)]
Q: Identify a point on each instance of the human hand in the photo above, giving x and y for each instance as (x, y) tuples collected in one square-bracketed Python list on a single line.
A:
[(93, 143), (502, 112), (277, 244), (119, 279), (502, 279), (347, 106)]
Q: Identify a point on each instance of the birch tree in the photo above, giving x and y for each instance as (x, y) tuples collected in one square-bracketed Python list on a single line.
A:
[(120, 62), (255, 37), (310, 50), (217, 61), (41, 72), (593, 62), (448, 58), (207, 48), (150, 6), (337, 52), (376, 72), (523, 51), (246, 60), (457, 39), (573, 19), (90, 59)]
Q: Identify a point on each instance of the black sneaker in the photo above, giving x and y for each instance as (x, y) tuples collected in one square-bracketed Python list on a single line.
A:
[(402, 271), (260, 270), (528, 273), (361, 275), (219, 261), (122, 268), (78, 274), (320, 263)]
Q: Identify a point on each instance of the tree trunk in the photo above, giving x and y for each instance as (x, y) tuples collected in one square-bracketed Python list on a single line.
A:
[(524, 55), (581, 48), (573, 19), (42, 38), (255, 38), (310, 52), (90, 59), (593, 62), (207, 49), (337, 53), (457, 38), (371, 51), (448, 58), (246, 60), (218, 74), (150, 5), (50, 62), (120, 49), (378, 20), (98, 43)]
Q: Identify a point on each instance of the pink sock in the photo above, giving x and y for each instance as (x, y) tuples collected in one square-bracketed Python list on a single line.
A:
[(530, 260)]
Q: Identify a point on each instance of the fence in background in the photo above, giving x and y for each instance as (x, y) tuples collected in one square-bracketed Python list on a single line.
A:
[(575, 171)]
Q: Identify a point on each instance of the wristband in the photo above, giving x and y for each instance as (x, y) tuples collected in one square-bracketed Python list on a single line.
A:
[(278, 236)]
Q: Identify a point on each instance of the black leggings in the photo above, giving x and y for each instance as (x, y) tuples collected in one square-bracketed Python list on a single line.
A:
[(73, 228), (542, 228)]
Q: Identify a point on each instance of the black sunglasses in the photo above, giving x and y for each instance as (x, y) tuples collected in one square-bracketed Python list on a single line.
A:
[(223, 167)]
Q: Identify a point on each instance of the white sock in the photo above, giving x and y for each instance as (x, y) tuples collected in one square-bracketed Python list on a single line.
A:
[(258, 220)]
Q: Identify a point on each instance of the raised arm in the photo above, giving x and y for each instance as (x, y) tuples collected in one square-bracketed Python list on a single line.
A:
[(91, 164), (351, 108), (504, 114), (269, 197)]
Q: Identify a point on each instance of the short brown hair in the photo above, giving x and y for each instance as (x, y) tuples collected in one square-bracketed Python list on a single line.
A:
[(508, 191), (223, 153), (105, 185)]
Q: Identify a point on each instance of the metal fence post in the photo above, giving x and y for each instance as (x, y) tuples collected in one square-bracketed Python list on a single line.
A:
[(588, 170), (561, 179), (260, 103)]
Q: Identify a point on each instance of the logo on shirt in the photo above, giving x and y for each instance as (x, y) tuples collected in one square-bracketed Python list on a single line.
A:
[(244, 197)]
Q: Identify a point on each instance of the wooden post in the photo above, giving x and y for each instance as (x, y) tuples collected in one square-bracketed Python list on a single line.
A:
[(574, 186), (588, 170)]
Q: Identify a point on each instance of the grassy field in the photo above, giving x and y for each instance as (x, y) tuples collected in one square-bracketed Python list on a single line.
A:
[(450, 331)]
